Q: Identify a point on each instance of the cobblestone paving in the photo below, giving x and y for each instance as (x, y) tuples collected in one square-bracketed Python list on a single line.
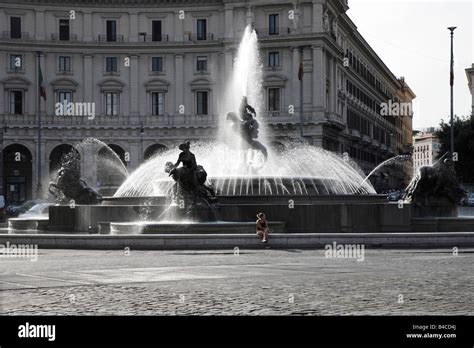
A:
[(258, 282)]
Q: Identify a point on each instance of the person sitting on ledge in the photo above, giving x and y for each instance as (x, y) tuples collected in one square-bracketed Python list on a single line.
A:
[(262, 227)]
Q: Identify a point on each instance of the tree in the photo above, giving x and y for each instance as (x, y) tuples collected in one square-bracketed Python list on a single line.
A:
[(463, 145)]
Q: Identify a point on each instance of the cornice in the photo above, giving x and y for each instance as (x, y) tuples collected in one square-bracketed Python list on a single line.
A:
[(113, 3)]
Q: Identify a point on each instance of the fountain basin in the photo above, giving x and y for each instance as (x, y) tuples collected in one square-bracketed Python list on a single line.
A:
[(160, 227), (28, 224)]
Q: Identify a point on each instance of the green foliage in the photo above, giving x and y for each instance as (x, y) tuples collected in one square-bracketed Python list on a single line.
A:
[(463, 145)]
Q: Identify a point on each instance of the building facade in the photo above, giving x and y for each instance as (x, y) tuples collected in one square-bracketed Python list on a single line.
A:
[(470, 80), (426, 147), (154, 71)]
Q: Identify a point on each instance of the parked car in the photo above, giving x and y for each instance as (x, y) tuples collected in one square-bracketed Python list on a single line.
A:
[(468, 200), (393, 196)]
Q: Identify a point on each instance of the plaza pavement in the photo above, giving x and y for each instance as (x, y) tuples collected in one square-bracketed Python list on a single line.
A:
[(238, 282)]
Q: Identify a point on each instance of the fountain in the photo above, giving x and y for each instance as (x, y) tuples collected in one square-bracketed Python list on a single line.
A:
[(302, 189)]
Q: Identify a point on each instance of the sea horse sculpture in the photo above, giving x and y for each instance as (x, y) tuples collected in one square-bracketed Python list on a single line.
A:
[(69, 185), (436, 186)]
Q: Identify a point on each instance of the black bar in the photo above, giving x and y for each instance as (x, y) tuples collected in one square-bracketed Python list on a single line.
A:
[(291, 331)]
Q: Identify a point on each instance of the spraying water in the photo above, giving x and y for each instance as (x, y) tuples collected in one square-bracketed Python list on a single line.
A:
[(300, 170), (386, 163)]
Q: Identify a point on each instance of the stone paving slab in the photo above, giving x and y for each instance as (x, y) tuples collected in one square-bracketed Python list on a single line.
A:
[(251, 282)]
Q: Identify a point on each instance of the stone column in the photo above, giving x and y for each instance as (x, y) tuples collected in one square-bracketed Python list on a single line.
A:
[(229, 22), (178, 27), (133, 26), (295, 82), (317, 17), (88, 84), (89, 166), (88, 26), (3, 102), (134, 86), (330, 77), (40, 25), (179, 76), (135, 155), (319, 77), (229, 63)]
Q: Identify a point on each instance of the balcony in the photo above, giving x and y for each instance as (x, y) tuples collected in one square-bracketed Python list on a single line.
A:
[(164, 121), (6, 35), (366, 139), (266, 33), (279, 117), (149, 38), (375, 144), (355, 134), (57, 37), (105, 38), (200, 37), (336, 120)]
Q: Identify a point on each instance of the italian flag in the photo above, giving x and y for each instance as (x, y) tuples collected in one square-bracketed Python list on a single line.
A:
[(42, 90), (300, 71)]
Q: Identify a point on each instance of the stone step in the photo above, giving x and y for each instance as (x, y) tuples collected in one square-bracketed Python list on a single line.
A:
[(315, 241)]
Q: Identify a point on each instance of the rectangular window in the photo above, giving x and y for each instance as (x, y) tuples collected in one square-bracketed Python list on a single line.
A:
[(202, 102), (273, 99), (202, 29), (274, 59), (64, 96), (158, 103), (274, 22), (15, 27), (16, 61), (64, 29), (156, 31), (111, 30), (201, 64), (111, 103), (157, 64), (111, 64), (64, 63), (16, 102)]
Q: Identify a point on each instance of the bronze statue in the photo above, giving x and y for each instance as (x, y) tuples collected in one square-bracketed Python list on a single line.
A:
[(247, 127), (190, 181)]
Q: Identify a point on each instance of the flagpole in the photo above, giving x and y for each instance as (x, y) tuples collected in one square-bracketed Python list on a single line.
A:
[(38, 111), (451, 82), (301, 90)]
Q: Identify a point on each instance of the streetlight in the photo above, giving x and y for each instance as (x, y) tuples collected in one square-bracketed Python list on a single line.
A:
[(38, 112), (451, 82)]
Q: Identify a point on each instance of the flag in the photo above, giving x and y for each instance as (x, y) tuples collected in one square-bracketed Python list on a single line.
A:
[(41, 87), (300, 71)]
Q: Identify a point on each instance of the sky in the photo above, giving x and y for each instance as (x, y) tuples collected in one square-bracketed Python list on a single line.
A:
[(412, 39)]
